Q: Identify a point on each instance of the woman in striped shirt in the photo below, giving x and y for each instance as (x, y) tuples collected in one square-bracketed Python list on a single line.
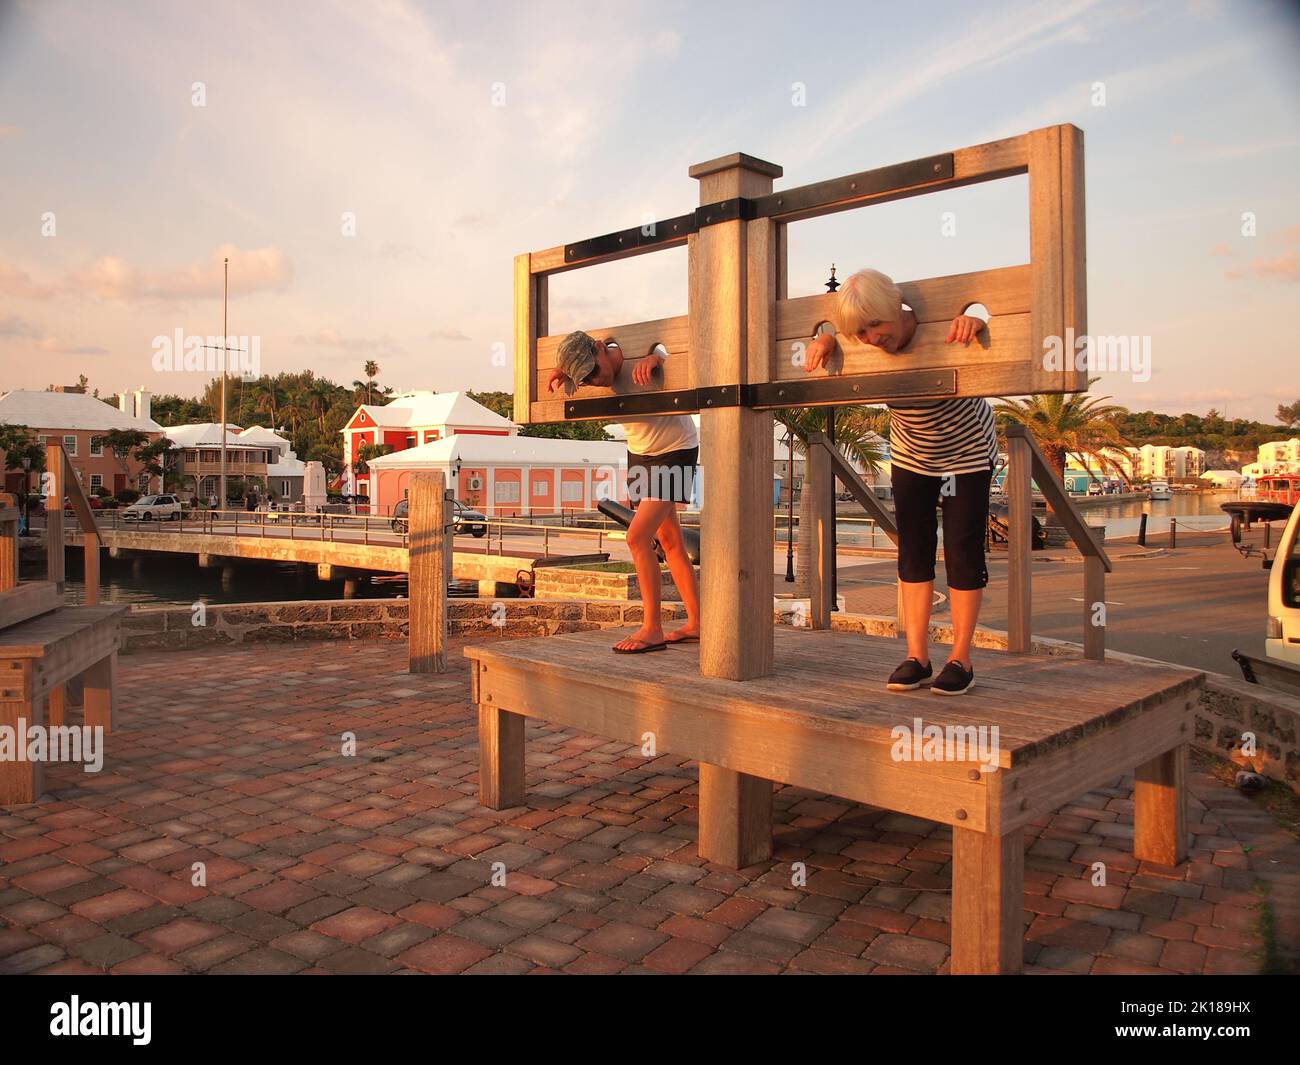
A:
[(942, 455)]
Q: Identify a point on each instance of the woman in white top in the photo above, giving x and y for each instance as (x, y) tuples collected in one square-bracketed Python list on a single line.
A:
[(661, 463)]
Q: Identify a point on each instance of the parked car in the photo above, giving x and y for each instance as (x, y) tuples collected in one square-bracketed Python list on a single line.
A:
[(465, 520), (153, 508)]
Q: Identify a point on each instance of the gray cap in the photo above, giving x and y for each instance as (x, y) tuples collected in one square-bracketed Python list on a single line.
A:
[(576, 359)]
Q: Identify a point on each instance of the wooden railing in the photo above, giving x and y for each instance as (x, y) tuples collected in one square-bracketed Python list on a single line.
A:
[(9, 516), (63, 482), (1029, 466)]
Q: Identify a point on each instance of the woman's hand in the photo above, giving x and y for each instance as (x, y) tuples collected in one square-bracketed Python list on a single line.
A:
[(556, 381), (818, 352), (643, 371), (964, 329)]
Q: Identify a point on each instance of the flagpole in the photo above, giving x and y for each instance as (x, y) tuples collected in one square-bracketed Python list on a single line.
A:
[(225, 344)]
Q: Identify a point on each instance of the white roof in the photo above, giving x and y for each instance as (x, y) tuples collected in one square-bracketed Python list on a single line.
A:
[(203, 434), (67, 410), (475, 450), (435, 408)]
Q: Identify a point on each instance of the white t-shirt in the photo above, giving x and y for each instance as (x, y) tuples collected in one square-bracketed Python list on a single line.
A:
[(662, 433)]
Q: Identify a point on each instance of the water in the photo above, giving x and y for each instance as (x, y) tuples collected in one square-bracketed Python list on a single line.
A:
[(1194, 510), (178, 581)]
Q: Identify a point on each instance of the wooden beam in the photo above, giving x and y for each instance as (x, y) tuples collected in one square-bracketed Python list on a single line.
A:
[(28, 600), (500, 756), (100, 682), (735, 817), (54, 562), (1020, 531), (1057, 498), (987, 902), (1160, 808), (429, 551), (817, 540), (736, 444), (1094, 608), (528, 314), (861, 491)]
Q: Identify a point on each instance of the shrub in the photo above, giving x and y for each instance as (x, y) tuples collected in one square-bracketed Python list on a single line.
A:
[(127, 496)]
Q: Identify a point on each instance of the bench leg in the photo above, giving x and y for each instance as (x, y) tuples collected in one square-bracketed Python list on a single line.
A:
[(21, 781), (735, 817), (500, 758), (56, 708), (100, 679), (988, 899), (1160, 808)]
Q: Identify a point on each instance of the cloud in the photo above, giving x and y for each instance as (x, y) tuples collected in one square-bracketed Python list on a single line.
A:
[(54, 346), (9, 131), (251, 270), (329, 337), (13, 326), (16, 282), (448, 334)]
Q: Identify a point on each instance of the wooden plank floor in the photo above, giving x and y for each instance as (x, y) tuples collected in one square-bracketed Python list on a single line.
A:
[(835, 682)]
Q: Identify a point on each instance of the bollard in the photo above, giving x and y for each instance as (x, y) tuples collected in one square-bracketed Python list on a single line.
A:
[(1173, 534), (1268, 530), (1142, 530)]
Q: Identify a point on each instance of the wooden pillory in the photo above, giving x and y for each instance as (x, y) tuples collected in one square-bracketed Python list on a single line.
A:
[(812, 709)]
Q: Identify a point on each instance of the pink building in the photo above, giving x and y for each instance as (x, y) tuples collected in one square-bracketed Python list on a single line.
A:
[(413, 419), (507, 476), (78, 421)]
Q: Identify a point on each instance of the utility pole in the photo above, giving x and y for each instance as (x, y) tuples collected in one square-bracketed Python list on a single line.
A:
[(225, 348)]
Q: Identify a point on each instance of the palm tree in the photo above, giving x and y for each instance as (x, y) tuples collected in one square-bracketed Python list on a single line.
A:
[(855, 431), (371, 372), (320, 397), (270, 398), (1070, 424)]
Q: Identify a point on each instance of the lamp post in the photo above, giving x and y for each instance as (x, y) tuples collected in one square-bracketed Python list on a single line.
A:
[(789, 499), (831, 286)]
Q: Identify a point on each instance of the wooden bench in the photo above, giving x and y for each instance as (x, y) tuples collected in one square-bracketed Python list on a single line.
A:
[(824, 721), (37, 658)]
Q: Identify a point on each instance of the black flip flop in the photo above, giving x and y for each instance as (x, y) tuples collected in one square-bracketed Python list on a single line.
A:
[(644, 649), (683, 639)]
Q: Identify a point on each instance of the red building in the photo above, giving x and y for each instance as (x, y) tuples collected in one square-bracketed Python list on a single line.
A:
[(413, 419)]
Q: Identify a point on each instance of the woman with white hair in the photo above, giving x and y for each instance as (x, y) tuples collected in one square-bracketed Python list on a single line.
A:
[(942, 454)]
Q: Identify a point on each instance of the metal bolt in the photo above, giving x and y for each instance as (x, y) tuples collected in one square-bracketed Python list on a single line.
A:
[(961, 815), (937, 168), (974, 774)]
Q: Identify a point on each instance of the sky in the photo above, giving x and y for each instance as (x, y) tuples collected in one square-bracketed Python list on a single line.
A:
[(372, 168)]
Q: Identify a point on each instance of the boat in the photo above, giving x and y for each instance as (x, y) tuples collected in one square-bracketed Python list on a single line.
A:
[(1274, 498), (1160, 490)]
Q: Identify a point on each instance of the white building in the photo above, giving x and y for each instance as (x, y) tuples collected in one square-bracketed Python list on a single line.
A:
[(1277, 456), (1160, 462), (504, 476)]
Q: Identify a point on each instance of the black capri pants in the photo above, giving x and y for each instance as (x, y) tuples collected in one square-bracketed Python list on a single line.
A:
[(965, 506)]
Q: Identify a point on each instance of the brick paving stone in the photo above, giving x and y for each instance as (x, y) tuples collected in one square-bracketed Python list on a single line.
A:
[(107, 950), (500, 965), (622, 940), (261, 961), (308, 945), (678, 955), (178, 935), (787, 924), (31, 959), (355, 961), (444, 954), (392, 941), (215, 951)]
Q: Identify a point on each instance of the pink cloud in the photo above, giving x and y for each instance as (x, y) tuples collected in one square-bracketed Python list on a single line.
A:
[(251, 270)]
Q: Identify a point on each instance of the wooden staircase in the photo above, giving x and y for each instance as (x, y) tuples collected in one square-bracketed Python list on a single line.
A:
[(52, 656)]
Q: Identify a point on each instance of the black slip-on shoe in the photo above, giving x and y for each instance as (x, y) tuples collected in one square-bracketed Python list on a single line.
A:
[(955, 679), (908, 676)]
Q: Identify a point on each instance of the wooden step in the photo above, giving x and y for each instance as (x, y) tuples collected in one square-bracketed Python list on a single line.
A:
[(28, 600)]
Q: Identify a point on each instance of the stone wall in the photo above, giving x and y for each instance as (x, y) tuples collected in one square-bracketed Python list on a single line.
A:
[(153, 628), (574, 582)]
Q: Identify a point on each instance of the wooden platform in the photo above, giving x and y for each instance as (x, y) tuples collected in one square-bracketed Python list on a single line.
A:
[(823, 720)]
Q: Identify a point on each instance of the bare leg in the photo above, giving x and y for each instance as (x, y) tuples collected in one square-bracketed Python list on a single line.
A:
[(965, 615), (679, 565), (650, 515), (918, 598)]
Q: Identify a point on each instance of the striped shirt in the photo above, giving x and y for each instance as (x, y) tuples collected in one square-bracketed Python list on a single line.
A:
[(943, 436)]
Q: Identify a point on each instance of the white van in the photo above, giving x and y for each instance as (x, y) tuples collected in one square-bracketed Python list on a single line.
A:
[(1282, 638)]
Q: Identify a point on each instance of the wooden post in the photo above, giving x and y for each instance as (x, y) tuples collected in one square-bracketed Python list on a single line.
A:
[(1020, 543), (8, 542), (530, 323), (98, 692), (1160, 808), (429, 545), (819, 483), (1094, 596), (735, 817), (500, 757), (988, 887), (54, 515), (21, 781), (732, 307)]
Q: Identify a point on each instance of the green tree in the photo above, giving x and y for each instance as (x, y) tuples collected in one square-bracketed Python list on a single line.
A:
[(1289, 414), (1072, 423), (20, 443)]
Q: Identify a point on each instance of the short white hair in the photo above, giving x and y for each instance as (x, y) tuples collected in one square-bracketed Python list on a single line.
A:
[(867, 296)]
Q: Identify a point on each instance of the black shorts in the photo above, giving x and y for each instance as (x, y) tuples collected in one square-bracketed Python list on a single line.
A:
[(965, 506), (670, 476)]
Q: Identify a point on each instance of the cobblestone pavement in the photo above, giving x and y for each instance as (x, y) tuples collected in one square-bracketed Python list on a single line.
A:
[(383, 862)]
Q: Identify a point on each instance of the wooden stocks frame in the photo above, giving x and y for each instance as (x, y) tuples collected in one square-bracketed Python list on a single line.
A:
[(1038, 310)]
